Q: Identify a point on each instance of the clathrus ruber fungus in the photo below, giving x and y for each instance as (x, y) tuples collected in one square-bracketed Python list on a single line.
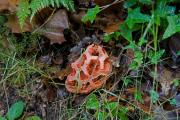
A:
[(90, 71)]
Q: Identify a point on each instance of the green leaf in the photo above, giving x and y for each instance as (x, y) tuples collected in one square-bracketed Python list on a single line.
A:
[(138, 96), (101, 115), (111, 106), (15, 110), (114, 35), (173, 102), (68, 4), (173, 27), (92, 102), (107, 37), (135, 16), (23, 11), (33, 118), (176, 82), (141, 42), (137, 61), (163, 9), (125, 32), (154, 96), (129, 3), (147, 2), (178, 53), (91, 14), (155, 57), (122, 113), (2, 19), (37, 5), (127, 81)]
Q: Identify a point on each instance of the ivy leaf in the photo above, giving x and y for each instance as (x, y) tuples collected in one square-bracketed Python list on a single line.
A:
[(15, 110), (125, 32), (173, 27), (33, 118), (92, 102), (163, 9), (135, 16), (91, 14), (154, 96)]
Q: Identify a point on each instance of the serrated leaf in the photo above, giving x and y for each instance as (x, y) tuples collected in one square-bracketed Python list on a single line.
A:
[(23, 11), (154, 58), (173, 26), (91, 14), (15, 110), (68, 4), (92, 102), (33, 118), (135, 16)]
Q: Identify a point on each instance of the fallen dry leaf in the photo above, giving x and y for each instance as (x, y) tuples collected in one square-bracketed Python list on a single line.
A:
[(112, 27), (9, 5), (165, 78), (103, 2), (13, 24), (174, 46), (55, 27)]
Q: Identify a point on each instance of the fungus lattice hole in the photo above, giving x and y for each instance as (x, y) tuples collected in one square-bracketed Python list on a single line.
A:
[(93, 66)]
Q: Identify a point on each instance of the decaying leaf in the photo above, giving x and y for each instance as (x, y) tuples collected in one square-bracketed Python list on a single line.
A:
[(112, 27), (174, 46), (55, 27), (165, 78), (9, 5), (13, 24)]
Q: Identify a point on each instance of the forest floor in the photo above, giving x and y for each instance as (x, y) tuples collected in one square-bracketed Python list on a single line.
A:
[(91, 59)]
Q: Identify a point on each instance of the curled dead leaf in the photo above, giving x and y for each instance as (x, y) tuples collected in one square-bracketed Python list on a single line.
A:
[(55, 27)]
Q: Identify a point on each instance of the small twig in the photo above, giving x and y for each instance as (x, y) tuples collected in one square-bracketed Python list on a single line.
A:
[(49, 18), (106, 6)]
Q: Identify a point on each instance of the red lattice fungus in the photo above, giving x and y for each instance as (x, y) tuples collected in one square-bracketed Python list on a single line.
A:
[(90, 71)]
